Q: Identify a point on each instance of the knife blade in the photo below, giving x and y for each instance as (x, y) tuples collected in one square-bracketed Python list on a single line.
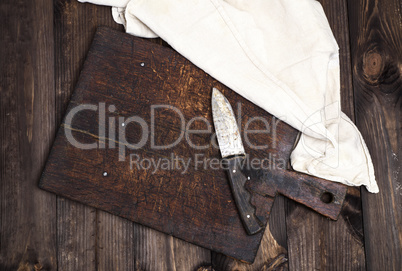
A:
[(321, 195)]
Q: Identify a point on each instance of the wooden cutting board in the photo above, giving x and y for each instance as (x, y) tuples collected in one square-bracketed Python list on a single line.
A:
[(132, 98)]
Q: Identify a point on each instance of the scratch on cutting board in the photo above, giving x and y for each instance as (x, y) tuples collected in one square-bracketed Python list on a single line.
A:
[(157, 74), (66, 126), (175, 200), (155, 71), (219, 201), (159, 188)]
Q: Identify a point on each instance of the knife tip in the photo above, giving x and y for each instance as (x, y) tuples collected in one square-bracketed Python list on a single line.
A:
[(216, 92)]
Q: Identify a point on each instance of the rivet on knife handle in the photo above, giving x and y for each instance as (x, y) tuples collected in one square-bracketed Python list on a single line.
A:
[(242, 197)]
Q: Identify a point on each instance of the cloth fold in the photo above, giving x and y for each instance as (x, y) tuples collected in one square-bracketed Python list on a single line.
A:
[(279, 54)]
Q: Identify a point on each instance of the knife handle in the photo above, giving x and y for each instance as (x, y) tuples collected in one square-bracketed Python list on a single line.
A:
[(241, 196)]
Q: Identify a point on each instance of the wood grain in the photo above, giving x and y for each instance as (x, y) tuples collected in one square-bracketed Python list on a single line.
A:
[(76, 235), (90, 239), (314, 242), (27, 125), (158, 251), (77, 229), (377, 74), (115, 244)]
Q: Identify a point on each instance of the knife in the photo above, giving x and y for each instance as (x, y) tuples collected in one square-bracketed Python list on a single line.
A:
[(321, 195)]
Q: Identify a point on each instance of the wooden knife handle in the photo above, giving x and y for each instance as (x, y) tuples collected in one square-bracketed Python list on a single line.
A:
[(323, 196), (241, 196)]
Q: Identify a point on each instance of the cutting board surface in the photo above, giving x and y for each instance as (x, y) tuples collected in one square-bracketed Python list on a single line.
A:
[(163, 99)]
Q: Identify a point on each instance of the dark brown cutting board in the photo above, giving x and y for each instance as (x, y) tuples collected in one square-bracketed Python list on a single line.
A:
[(124, 76)]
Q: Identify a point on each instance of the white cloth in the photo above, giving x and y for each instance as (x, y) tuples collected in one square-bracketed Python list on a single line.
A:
[(279, 54)]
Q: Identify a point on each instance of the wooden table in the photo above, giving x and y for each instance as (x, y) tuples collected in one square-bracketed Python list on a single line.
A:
[(44, 44)]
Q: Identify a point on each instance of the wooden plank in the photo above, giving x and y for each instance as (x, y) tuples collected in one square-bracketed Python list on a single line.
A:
[(377, 62), (76, 235), (317, 243), (270, 256), (314, 242), (158, 251), (181, 249), (27, 126), (115, 243), (75, 26), (337, 15)]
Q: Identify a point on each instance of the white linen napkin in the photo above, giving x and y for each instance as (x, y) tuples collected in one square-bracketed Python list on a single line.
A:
[(279, 54)]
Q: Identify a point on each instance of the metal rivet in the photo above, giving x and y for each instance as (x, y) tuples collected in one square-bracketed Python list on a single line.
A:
[(105, 173), (142, 64)]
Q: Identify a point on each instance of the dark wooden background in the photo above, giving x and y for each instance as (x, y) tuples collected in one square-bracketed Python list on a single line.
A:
[(43, 47)]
